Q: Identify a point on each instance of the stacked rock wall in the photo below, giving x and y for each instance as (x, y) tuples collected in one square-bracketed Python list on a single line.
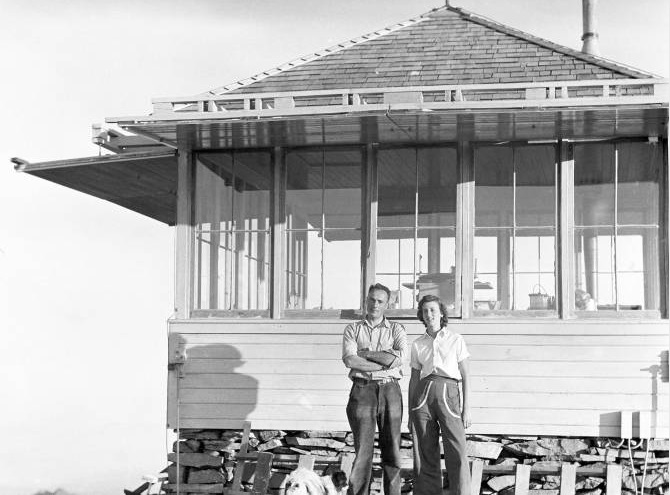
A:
[(208, 458)]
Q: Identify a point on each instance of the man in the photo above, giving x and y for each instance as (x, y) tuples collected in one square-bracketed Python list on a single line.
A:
[(374, 350)]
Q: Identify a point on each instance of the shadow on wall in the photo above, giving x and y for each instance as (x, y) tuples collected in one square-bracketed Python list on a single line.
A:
[(613, 424), (206, 391)]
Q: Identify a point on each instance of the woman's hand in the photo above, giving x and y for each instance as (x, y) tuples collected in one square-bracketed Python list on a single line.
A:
[(465, 416)]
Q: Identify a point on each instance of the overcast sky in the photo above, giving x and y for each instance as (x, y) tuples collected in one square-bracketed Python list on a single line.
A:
[(86, 286)]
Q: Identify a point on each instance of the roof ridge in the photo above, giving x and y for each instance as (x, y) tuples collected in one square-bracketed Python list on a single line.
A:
[(598, 60), (322, 53)]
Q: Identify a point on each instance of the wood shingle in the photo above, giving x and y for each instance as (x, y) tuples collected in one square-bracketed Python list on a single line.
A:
[(447, 45)]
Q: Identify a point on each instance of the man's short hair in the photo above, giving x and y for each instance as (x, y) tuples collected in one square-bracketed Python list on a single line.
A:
[(381, 287)]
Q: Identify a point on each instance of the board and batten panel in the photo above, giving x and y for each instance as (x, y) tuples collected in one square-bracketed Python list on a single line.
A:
[(548, 377)]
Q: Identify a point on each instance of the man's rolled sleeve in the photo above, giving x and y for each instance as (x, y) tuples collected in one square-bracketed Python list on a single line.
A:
[(349, 344), (399, 349)]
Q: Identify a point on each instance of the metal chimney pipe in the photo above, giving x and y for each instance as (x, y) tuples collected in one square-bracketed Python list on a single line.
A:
[(590, 36)]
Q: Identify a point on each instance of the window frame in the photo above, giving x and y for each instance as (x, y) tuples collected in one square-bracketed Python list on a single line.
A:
[(465, 229), (458, 228), (196, 312), (281, 233), (567, 170), (470, 239)]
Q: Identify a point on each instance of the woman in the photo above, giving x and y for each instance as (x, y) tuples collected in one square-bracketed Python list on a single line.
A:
[(439, 363)]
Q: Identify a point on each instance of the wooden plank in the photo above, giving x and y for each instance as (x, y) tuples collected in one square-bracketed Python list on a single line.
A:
[(477, 470), (229, 336), (262, 474), (138, 490), (479, 326), (237, 476), (306, 461), (613, 480), (557, 353), (578, 369), (446, 87), (185, 488), (522, 479), (566, 221), (370, 206), (311, 111), (484, 400), (278, 220), (552, 338), (346, 463), (479, 383), (465, 192), (246, 431), (183, 244), (568, 478), (479, 428), (537, 416)]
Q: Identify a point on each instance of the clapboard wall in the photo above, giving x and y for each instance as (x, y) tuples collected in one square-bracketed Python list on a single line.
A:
[(529, 377)]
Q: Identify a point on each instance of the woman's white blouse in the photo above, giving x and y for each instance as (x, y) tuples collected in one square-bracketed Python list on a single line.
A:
[(439, 355)]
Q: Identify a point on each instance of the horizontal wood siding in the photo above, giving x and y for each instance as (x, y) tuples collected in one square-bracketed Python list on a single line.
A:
[(529, 377)]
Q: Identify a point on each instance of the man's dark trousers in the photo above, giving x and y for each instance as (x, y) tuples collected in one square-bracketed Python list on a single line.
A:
[(375, 404)]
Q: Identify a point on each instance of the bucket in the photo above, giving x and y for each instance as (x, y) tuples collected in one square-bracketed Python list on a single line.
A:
[(539, 299)]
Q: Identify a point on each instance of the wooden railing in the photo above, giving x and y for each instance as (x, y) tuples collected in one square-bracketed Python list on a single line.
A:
[(426, 98)]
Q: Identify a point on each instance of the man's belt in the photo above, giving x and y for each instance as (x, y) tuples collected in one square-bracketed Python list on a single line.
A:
[(365, 381)]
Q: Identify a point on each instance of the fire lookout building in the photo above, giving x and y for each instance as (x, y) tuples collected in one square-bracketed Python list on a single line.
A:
[(523, 182)]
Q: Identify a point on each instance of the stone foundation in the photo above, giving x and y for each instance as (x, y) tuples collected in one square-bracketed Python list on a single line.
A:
[(208, 458)]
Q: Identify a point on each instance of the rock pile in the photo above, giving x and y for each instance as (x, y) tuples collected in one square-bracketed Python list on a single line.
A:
[(208, 458)]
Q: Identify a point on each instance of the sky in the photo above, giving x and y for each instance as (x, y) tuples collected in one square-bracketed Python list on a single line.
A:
[(86, 287)]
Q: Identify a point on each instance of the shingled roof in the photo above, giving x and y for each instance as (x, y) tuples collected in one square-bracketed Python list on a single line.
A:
[(447, 45)]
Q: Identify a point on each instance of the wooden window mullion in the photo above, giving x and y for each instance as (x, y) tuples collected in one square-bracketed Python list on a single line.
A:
[(277, 230), (465, 229), (566, 238), (370, 206)]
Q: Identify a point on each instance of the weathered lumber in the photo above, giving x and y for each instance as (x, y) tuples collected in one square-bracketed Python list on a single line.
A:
[(196, 488)]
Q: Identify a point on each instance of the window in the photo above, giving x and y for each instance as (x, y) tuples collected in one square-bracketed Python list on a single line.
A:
[(323, 229), (616, 226), (425, 212), (515, 228), (416, 224), (232, 231)]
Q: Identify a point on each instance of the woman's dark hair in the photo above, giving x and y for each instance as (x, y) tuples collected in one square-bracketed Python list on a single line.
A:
[(443, 309)]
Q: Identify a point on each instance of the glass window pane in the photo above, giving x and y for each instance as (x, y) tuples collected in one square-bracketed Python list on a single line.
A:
[(214, 270), (251, 199), (395, 265), (631, 291), (594, 269), (343, 186), (401, 286), (594, 184), (534, 261), (494, 193), (396, 171), (202, 245), (304, 189), (638, 270), (639, 178), (395, 251), (436, 250), (251, 271), (437, 187), (535, 185), (342, 269), (214, 191), (493, 269), (303, 270)]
